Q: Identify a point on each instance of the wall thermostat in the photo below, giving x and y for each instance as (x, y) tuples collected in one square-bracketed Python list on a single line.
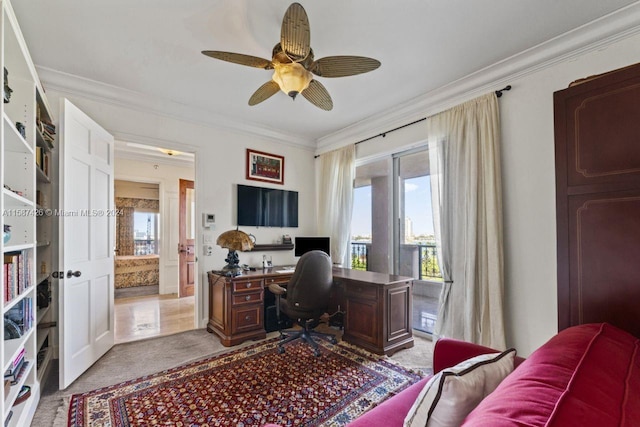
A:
[(208, 220)]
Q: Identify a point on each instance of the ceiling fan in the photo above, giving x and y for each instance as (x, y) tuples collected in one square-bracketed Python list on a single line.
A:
[(294, 64)]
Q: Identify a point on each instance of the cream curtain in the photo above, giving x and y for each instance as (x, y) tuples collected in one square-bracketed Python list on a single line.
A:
[(467, 202), (335, 176)]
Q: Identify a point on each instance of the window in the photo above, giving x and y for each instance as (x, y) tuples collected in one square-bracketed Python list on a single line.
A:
[(145, 233)]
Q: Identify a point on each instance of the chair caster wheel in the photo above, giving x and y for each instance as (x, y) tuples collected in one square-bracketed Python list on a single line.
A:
[(333, 341), (281, 350), (317, 353)]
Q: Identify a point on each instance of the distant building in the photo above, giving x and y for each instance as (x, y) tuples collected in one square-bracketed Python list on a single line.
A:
[(408, 229)]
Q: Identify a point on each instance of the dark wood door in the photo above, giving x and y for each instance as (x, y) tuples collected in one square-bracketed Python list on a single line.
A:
[(597, 137), (187, 239)]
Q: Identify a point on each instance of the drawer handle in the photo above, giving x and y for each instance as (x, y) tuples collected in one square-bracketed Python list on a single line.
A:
[(248, 298), (247, 318), (249, 285)]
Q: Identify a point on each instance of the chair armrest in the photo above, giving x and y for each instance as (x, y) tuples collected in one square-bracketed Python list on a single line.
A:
[(276, 289)]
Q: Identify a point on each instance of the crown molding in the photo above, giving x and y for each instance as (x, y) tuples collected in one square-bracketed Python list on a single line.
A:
[(153, 159), (114, 95), (592, 36)]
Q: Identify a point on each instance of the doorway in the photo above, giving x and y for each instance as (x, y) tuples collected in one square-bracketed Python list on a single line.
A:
[(137, 258), (153, 306)]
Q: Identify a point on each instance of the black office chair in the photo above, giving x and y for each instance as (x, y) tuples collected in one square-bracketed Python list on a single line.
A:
[(306, 299)]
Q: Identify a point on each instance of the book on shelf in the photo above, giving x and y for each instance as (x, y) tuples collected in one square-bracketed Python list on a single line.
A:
[(17, 273), (13, 375), (17, 361), (20, 373), (45, 164), (39, 152), (44, 126), (47, 130)]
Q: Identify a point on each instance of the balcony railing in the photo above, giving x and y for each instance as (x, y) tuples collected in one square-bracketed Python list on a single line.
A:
[(145, 247), (427, 259), (359, 255)]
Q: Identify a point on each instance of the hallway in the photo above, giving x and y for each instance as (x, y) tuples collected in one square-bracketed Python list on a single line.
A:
[(152, 316)]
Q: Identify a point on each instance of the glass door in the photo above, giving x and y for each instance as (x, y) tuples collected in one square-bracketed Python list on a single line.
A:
[(392, 227), (414, 237)]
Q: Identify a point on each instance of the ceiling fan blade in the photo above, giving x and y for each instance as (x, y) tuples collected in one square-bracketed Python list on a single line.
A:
[(342, 66), (239, 58), (295, 36), (318, 95), (264, 92)]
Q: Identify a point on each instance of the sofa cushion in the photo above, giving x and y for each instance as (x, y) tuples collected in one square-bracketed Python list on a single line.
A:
[(452, 393), (587, 375)]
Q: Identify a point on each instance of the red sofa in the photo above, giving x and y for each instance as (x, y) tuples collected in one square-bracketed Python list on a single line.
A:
[(587, 376)]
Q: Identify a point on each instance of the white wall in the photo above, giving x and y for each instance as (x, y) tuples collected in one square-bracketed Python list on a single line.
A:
[(167, 176), (220, 165), (529, 190), (528, 176)]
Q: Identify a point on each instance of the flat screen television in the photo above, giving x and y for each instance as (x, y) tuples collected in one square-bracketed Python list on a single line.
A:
[(267, 207), (306, 244)]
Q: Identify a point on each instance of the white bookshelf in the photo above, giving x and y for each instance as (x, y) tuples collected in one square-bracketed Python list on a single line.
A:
[(23, 183)]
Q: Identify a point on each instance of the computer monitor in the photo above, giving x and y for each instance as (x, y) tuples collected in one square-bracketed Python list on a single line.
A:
[(306, 244)]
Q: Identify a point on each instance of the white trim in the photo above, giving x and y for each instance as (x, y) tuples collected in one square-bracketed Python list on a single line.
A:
[(73, 85), (602, 32)]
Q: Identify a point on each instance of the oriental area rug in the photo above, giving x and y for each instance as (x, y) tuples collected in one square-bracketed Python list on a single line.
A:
[(252, 386)]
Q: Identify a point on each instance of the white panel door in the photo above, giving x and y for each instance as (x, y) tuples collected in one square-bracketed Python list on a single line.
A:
[(87, 230)]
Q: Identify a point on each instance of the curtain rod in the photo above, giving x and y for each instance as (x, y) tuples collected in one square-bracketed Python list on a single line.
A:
[(384, 134)]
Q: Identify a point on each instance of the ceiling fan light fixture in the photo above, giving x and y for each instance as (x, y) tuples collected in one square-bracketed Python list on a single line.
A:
[(292, 78)]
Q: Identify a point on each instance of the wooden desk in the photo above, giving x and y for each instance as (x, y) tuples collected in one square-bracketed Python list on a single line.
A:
[(377, 307)]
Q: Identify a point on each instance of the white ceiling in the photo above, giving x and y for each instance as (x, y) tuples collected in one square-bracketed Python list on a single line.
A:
[(153, 47)]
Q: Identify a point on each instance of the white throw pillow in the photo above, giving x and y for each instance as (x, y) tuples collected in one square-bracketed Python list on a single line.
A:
[(453, 393)]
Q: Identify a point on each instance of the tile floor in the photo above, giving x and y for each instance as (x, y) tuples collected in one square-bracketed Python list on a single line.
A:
[(425, 311), (152, 316)]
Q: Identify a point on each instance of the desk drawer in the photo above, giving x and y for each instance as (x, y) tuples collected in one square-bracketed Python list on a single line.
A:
[(244, 319), (279, 280), (247, 285), (357, 290), (247, 298)]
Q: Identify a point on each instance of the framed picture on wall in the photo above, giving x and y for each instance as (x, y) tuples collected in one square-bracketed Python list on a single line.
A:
[(265, 167)]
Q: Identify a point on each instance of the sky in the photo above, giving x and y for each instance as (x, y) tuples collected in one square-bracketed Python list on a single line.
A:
[(417, 207), (140, 222)]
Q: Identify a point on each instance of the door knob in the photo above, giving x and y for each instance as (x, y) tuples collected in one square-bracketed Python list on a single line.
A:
[(73, 274)]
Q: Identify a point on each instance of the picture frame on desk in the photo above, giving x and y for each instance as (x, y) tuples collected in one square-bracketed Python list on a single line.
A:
[(265, 167)]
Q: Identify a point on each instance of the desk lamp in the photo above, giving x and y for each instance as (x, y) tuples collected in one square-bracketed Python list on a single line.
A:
[(234, 240)]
